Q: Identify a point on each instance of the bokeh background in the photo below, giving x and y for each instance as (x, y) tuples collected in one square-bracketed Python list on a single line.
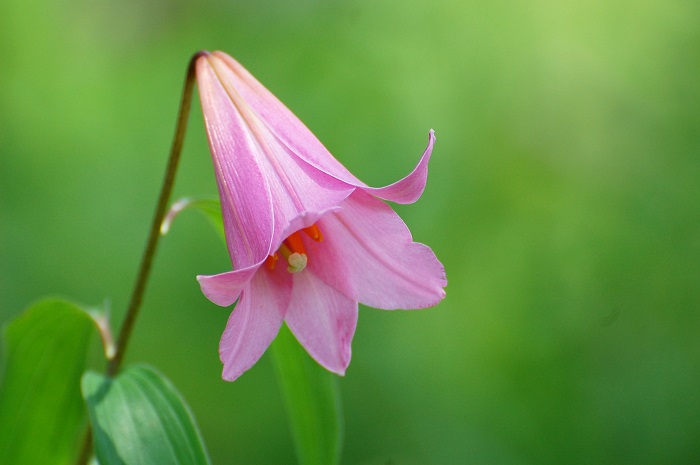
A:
[(563, 200)]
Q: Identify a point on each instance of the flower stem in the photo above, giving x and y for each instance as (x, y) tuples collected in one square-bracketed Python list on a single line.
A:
[(86, 447), (147, 259), (154, 235)]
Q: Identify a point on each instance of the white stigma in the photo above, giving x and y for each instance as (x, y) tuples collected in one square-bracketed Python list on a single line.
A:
[(297, 262)]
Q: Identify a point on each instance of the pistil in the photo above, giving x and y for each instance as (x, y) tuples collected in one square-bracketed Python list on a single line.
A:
[(293, 250)]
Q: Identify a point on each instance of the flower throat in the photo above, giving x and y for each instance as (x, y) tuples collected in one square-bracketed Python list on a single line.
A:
[(293, 250)]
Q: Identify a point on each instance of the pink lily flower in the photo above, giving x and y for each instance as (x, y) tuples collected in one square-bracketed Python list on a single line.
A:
[(307, 239)]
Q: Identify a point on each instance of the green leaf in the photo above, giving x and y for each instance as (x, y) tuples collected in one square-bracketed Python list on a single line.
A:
[(139, 418), (41, 411), (313, 402)]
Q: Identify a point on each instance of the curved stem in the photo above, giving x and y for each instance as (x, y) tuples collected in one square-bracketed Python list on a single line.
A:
[(86, 447), (154, 235), (147, 259)]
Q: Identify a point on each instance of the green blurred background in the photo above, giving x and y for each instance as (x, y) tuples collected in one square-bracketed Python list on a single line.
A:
[(563, 200)]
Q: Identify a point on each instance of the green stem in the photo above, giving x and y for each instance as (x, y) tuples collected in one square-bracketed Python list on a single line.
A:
[(154, 235), (86, 447), (152, 243)]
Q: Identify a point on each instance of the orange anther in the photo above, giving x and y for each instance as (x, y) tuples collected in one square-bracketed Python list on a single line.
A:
[(314, 233), (295, 244), (271, 260)]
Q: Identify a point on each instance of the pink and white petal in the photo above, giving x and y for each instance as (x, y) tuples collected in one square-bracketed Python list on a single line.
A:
[(369, 247), (255, 322), (294, 186), (323, 321), (298, 190), (326, 259), (302, 143), (305, 220), (410, 188), (223, 289), (283, 123), (245, 198)]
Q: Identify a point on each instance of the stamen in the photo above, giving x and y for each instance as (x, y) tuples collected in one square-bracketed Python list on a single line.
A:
[(293, 250), (294, 243), (314, 233), (271, 260)]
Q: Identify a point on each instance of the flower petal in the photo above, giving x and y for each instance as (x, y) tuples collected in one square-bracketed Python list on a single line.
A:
[(246, 203), (306, 219), (323, 320), (223, 289), (410, 188), (295, 187), (301, 142), (255, 322), (368, 254)]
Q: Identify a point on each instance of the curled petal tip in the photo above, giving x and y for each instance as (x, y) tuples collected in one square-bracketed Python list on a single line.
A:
[(223, 289), (410, 188)]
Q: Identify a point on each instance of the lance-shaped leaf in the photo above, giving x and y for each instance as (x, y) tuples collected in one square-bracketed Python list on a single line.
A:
[(41, 412), (138, 418), (312, 400)]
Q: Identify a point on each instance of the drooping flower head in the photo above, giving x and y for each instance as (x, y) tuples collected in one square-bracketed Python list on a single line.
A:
[(307, 239)]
